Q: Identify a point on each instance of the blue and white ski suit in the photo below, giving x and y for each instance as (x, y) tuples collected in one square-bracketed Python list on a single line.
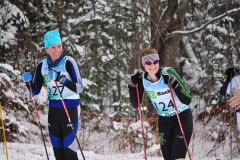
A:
[(60, 132)]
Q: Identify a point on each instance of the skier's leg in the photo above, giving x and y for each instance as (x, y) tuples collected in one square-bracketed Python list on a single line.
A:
[(58, 153), (55, 133), (70, 142), (179, 149), (165, 129)]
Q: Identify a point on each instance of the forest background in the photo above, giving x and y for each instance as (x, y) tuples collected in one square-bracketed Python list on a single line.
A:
[(199, 39)]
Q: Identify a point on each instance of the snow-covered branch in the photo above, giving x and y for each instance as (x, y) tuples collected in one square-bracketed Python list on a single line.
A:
[(183, 33)]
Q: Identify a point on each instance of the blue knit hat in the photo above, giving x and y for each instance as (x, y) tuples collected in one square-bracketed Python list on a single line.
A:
[(52, 38)]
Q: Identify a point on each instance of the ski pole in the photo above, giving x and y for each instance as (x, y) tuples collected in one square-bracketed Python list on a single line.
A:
[(231, 119), (4, 135), (69, 119), (140, 114), (37, 116), (180, 123)]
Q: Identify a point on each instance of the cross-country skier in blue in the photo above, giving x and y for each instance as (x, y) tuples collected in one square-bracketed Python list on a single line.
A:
[(157, 82), (234, 89), (63, 69), (234, 102), (231, 86)]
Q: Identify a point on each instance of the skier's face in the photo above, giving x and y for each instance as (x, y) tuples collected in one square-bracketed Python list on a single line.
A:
[(151, 66), (150, 63), (54, 51)]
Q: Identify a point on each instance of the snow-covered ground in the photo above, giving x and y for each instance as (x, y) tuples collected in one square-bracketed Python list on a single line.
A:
[(21, 151), (101, 137)]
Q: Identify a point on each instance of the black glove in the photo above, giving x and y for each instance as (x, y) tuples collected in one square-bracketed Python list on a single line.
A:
[(170, 81), (136, 77), (231, 72), (61, 78)]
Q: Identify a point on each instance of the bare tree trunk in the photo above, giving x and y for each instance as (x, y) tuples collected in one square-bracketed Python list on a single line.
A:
[(137, 37), (59, 6), (165, 18)]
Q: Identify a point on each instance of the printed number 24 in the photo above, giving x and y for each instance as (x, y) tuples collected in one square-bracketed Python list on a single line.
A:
[(163, 106)]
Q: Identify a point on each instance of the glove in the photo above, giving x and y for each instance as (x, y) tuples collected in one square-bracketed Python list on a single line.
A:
[(136, 77), (164, 71), (169, 79), (231, 72), (173, 82), (26, 76), (61, 78)]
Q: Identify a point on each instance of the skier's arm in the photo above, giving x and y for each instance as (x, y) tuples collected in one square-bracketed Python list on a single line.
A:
[(234, 83), (175, 81), (133, 93), (37, 81), (223, 89), (75, 84)]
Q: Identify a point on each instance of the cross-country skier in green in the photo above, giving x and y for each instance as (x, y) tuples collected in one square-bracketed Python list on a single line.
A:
[(156, 82)]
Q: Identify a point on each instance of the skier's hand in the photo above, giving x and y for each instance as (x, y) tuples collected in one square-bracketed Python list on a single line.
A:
[(136, 77), (234, 101), (26, 76), (170, 81), (61, 78), (165, 71)]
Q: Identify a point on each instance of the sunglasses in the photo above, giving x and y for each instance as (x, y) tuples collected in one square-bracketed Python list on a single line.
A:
[(149, 62)]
